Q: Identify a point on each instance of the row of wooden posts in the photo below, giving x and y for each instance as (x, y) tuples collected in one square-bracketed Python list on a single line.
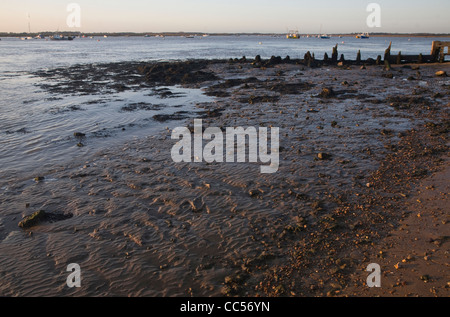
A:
[(437, 55)]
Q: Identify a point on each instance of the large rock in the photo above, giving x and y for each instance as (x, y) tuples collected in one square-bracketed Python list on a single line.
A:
[(33, 220), (41, 216)]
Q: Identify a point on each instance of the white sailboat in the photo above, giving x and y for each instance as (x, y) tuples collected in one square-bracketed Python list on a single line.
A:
[(26, 38)]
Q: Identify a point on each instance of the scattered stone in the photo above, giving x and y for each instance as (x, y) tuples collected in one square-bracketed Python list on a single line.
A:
[(441, 73), (326, 93), (79, 135), (196, 204), (324, 156), (425, 278)]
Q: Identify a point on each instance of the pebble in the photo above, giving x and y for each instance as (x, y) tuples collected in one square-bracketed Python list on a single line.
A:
[(323, 156), (197, 205)]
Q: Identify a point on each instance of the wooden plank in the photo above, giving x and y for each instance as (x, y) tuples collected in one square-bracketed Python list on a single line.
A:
[(411, 59), (438, 47)]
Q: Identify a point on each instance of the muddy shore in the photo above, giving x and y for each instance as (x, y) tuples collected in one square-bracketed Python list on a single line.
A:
[(139, 224)]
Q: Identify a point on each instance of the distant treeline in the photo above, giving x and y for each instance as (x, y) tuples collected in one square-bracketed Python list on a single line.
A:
[(97, 34)]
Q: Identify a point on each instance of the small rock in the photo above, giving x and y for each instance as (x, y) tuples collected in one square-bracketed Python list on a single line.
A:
[(228, 280), (441, 73), (197, 205), (326, 93), (425, 278), (323, 156), (79, 135)]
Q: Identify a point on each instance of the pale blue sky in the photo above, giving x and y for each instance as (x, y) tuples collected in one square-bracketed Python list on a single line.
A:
[(226, 16)]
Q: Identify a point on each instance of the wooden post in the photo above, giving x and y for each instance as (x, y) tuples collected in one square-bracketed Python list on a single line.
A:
[(438, 50), (387, 65), (387, 53), (399, 58), (378, 61), (334, 56), (435, 47)]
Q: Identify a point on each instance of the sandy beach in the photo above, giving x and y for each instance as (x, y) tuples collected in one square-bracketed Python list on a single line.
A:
[(363, 178)]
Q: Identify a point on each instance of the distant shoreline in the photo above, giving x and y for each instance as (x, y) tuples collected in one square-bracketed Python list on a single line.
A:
[(154, 34)]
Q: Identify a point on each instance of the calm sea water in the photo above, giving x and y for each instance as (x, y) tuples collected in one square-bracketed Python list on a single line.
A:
[(36, 131)]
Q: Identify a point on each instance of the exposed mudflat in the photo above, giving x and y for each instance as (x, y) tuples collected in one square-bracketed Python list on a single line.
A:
[(139, 224)]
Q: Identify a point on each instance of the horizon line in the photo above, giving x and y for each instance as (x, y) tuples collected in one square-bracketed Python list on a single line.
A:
[(223, 33)]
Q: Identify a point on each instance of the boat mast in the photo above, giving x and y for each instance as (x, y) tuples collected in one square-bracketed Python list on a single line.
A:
[(29, 23)]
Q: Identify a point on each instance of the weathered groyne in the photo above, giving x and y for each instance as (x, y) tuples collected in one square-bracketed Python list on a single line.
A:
[(437, 55)]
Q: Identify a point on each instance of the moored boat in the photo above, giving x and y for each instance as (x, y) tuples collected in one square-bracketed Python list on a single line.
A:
[(362, 36), (293, 35), (58, 37)]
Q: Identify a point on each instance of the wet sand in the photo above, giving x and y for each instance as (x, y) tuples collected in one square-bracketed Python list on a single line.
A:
[(310, 229)]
